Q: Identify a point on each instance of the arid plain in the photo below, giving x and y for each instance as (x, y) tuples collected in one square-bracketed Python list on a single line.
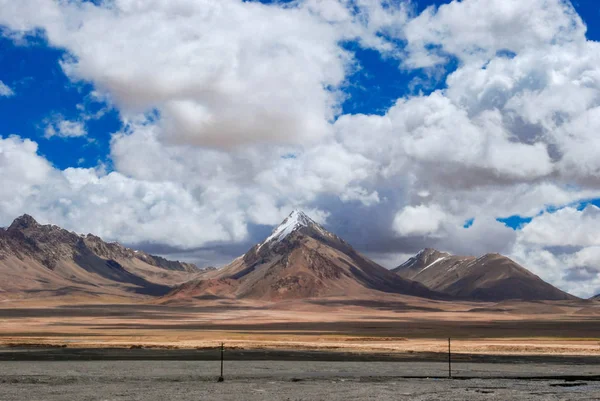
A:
[(406, 326)]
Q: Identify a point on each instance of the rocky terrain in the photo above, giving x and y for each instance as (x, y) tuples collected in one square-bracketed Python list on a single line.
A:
[(300, 260), (492, 277), (46, 260)]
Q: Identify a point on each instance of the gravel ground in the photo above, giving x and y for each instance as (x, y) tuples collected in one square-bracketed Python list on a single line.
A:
[(290, 381)]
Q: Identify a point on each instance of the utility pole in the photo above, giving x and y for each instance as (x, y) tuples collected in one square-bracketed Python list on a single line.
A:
[(449, 360), (221, 378)]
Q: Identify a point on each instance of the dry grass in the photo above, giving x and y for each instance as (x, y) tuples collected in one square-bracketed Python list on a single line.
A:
[(389, 324)]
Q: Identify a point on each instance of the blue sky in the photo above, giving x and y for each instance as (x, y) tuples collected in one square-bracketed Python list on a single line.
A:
[(43, 94)]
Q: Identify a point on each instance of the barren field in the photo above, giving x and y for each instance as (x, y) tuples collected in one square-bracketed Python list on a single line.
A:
[(328, 349), (298, 381), (387, 326)]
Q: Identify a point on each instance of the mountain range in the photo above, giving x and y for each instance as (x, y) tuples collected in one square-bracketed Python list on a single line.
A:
[(491, 277), (46, 260), (299, 260)]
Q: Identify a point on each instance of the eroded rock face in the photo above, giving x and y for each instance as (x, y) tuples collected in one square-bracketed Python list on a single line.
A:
[(492, 277), (27, 237), (114, 250), (27, 249)]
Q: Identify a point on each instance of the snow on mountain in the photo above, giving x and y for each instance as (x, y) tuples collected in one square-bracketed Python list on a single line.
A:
[(423, 259), (436, 261), (295, 221), (300, 259), (491, 277)]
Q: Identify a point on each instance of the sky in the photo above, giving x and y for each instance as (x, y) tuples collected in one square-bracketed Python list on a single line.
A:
[(190, 128)]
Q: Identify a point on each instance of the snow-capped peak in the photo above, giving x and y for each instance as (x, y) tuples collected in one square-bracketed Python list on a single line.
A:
[(296, 220), (415, 259)]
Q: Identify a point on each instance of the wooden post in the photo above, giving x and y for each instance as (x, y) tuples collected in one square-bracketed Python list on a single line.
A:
[(449, 360), (221, 378)]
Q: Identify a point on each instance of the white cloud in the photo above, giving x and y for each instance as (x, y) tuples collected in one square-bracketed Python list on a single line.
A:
[(64, 128), (5, 90), (564, 248), (22, 173), (419, 220), (221, 73), (566, 227), (475, 30), (112, 206), (361, 195)]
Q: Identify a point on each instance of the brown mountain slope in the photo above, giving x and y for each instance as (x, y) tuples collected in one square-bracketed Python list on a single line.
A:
[(38, 260), (492, 277), (300, 260)]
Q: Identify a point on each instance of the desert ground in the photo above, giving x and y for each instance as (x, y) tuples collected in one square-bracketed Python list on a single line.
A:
[(398, 325), (335, 349), (285, 380)]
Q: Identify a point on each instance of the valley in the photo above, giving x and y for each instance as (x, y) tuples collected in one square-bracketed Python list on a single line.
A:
[(397, 325)]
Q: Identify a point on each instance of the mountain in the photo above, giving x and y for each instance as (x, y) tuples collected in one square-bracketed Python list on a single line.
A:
[(300, 259), (596, 298), (39, 260), (492, 277)]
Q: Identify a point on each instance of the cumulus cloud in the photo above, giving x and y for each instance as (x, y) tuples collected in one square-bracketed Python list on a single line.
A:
[(419, 220), (110, 205), (232, 116), (22, 171), (5, 90), (221, 73), (62, 128), (566, 227), (476, 30), (574, 272), (563, 247)]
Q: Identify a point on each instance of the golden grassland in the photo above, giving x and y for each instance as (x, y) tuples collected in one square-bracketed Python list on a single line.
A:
[(386, 325)]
